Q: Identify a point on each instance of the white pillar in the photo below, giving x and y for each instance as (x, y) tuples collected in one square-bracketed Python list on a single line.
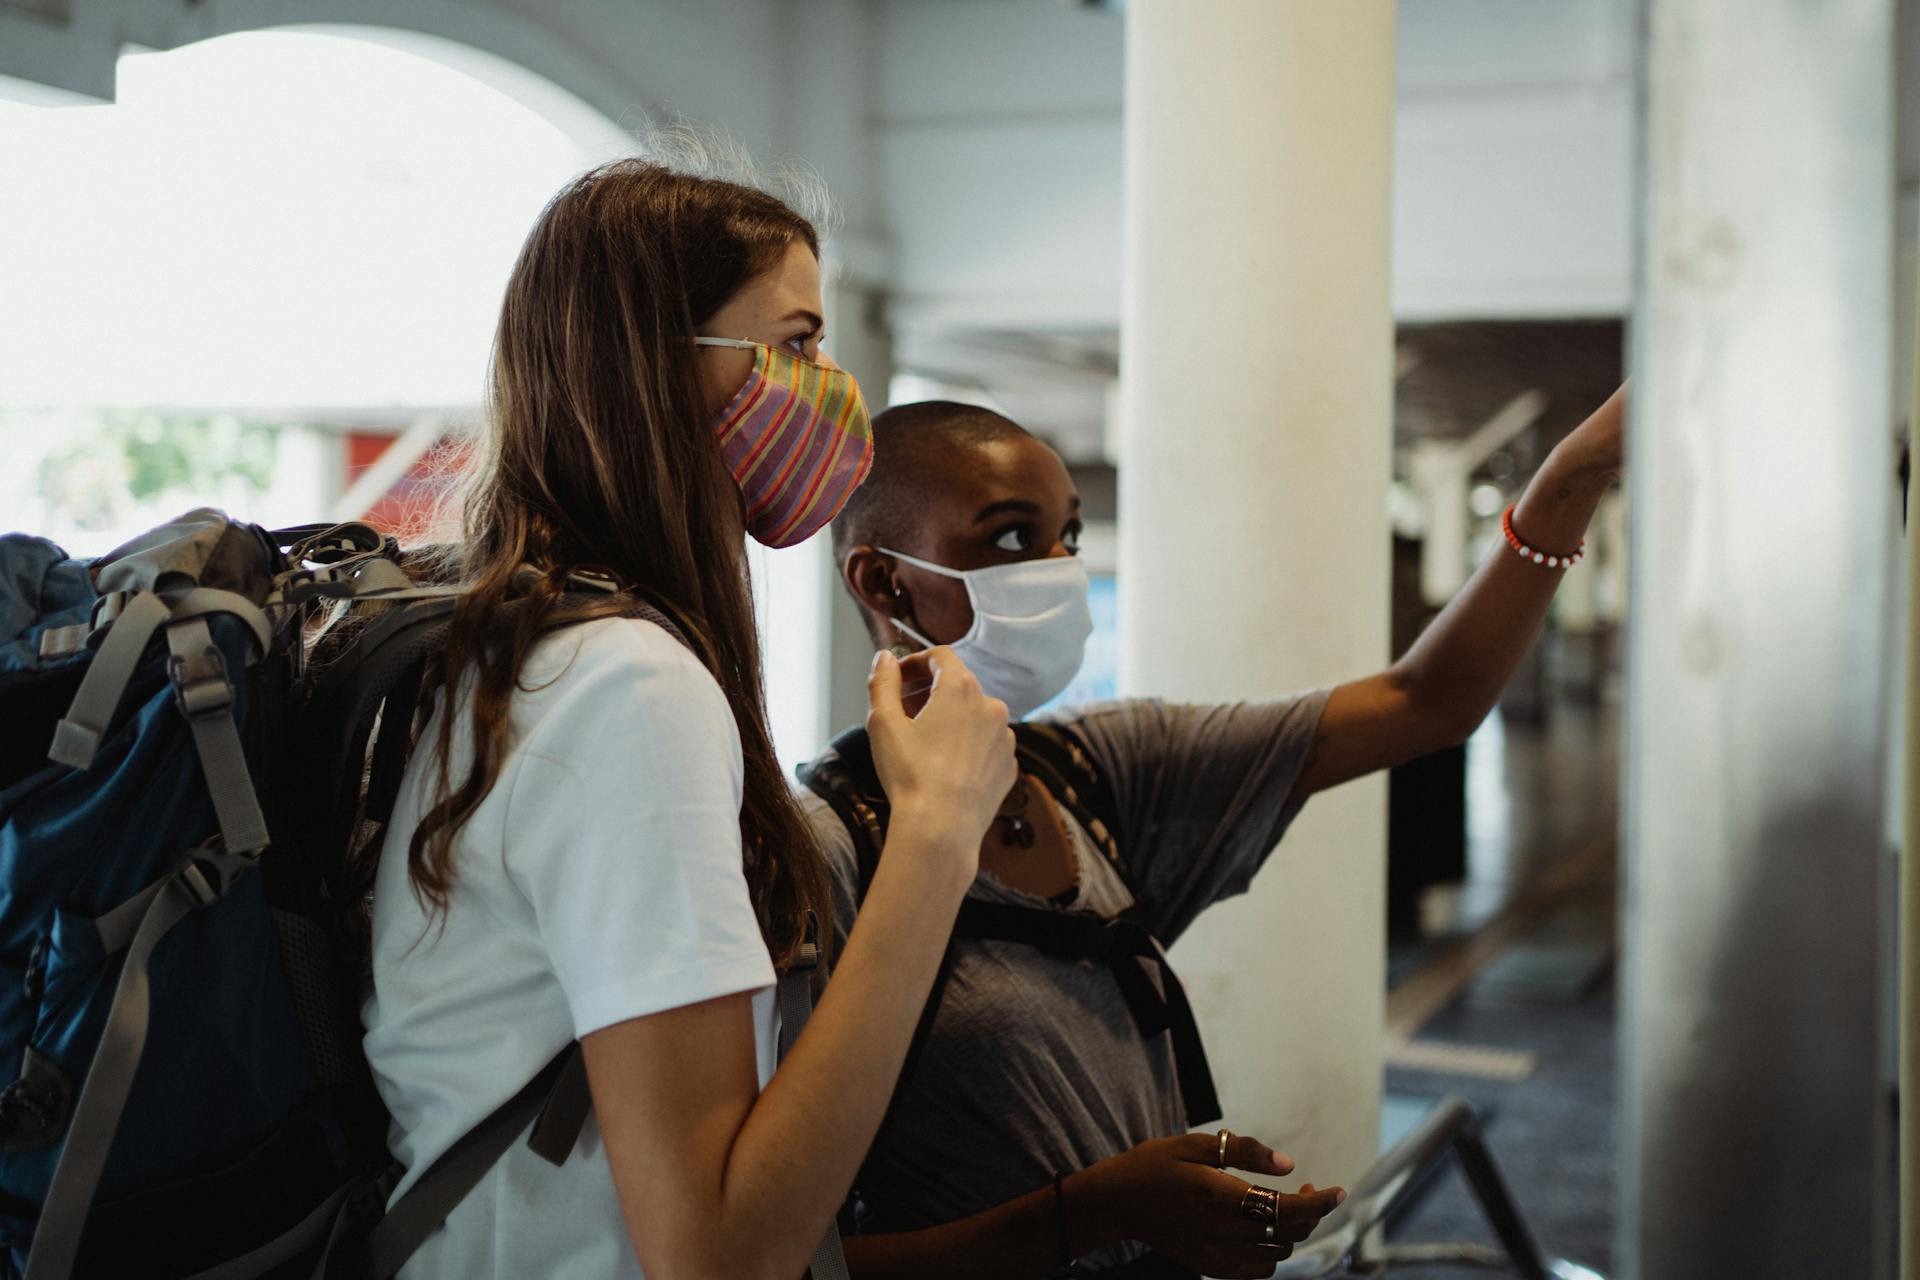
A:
[(1753, 1121), (1441, 482), (1257, 375)]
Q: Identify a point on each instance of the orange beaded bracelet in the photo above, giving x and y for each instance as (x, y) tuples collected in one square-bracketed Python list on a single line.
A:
[(1549, 559)]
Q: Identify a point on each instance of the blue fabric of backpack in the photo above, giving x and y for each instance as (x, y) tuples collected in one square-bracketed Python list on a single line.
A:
[(228, 1136)]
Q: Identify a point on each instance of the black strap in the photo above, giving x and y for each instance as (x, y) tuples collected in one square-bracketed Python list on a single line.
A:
[(848, 781), (568, 1103), (312, 1234), (794, 993), (419, 1213), (557, 1101), (116, 1060), (390, 749), (1128, 948)]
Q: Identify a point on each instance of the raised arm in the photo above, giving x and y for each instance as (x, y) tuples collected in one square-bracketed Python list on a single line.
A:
[(1444, 686), (718, 1180)]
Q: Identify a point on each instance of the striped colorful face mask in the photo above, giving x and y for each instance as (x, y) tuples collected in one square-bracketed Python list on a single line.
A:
[(798, 441)]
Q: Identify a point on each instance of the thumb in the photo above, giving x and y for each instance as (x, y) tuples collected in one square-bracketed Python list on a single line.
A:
[(883, 688)]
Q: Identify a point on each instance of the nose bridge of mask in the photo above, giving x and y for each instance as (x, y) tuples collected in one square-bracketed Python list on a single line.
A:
[(773, 362)]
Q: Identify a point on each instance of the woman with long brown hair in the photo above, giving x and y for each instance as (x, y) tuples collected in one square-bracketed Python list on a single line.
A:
[(594, 840)]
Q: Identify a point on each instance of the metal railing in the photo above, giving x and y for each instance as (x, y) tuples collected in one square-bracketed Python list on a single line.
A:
[(1341, 1245)]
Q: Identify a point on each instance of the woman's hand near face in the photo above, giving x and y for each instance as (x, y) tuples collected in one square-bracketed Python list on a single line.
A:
[(1170, 1195), (945, 769)]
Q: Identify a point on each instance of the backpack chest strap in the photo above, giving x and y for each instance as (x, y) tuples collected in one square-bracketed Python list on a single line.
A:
[(1128, 948)]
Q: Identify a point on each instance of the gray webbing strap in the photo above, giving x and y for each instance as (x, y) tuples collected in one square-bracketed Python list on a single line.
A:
[(77, 737), (794, 993), (197, 602), (96, 1117), (118, 927), (58, 642), (205, 694)]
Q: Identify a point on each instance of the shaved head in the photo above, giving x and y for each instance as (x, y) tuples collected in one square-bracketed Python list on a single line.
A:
[(916, 449), (955, 485)]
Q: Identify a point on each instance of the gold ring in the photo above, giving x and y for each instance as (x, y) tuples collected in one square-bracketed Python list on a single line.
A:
[(1262, 1204), (1224, 1135)]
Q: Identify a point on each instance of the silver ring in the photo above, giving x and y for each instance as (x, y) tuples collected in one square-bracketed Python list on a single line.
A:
[(1224, 1135), (1262, 1204)]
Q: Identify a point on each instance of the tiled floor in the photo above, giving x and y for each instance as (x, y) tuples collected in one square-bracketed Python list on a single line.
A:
[(1513, 1009)]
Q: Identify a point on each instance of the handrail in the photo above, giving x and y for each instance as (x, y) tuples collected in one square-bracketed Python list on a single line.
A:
[(1451, 1125)]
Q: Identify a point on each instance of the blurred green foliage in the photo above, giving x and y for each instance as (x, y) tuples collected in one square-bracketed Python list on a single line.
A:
[(102, 468)]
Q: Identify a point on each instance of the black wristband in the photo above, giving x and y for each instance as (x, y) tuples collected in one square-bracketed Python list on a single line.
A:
[(1060, 1224)]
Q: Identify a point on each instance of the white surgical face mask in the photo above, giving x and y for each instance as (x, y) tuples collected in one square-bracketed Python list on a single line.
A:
[(1030, 627)]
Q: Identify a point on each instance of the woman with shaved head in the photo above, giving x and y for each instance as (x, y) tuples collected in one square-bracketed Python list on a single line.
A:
[(1041, 1126)]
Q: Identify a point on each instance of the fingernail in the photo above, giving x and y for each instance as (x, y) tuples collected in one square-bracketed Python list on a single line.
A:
[(877, 655), (1340, 1197)]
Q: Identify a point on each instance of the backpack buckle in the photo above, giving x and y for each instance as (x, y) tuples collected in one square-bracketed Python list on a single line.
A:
[(807, 958), (200, 684), (210, 872)]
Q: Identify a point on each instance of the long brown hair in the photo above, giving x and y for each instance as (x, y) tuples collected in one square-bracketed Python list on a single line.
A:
[(600, 455)]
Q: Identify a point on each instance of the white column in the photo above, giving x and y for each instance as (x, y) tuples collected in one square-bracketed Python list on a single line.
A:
[(1441, 482), (1257, 377), (1753, 1124)]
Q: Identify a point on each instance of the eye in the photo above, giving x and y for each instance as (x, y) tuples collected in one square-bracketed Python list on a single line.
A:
[(1014, 538), (805, 345), (1070, 537)]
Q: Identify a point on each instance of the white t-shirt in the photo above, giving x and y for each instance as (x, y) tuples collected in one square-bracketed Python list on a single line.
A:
[(599, 880)]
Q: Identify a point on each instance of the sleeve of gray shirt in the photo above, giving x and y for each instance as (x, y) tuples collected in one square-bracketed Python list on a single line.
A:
[(1204, 792), (843, 867)]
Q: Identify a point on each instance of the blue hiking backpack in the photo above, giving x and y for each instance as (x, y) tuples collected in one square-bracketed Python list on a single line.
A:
[(196, 757), (183, 778)]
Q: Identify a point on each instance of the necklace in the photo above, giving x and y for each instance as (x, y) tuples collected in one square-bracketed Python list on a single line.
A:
[(1015, 829)]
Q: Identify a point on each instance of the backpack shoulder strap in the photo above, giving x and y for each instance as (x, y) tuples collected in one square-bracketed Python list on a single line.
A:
[(419, 1213), (846, 779), (1054, 754), (794, 992)]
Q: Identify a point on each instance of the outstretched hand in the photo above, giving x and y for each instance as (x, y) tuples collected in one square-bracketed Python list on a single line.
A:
[(1171, 1195)]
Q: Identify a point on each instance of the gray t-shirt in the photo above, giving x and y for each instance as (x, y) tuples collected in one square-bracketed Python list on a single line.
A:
[(1034, 1066)]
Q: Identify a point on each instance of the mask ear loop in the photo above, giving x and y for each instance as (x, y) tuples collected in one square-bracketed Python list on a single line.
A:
[(897, 649), (902, 626)]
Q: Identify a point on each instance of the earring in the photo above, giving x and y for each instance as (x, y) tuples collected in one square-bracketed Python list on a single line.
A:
[(900, 649)]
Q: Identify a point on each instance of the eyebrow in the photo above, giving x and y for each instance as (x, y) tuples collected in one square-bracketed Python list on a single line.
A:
[(1010, 506), (813, 320)]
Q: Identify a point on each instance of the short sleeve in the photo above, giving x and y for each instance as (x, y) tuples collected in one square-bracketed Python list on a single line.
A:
[(623, 829), (1204, 793)]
